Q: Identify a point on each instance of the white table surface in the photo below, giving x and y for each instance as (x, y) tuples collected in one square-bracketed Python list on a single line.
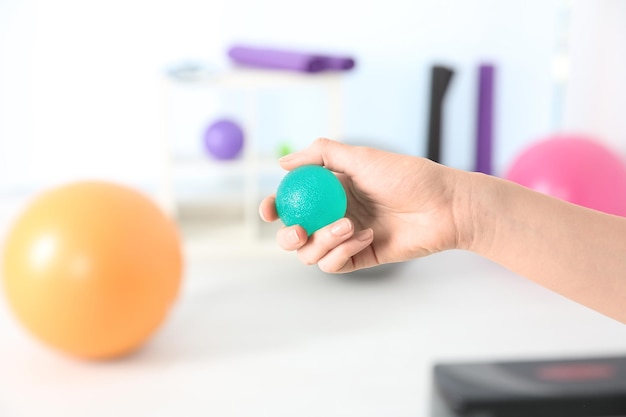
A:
[(271, 337)]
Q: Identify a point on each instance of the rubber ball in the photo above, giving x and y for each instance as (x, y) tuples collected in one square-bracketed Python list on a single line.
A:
[(310, 196), (578, 169), (224, 139), (92, 268)]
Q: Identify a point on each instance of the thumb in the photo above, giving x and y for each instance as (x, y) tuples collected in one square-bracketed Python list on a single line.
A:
[(336, 156)]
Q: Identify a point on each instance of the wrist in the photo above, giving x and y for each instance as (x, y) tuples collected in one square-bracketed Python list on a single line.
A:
[(475, 194)]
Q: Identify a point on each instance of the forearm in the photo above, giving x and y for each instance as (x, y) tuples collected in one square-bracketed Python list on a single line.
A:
[(576, 252)]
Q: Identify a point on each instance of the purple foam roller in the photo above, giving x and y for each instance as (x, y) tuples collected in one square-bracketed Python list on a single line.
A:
[(291, 60), (484, 125)]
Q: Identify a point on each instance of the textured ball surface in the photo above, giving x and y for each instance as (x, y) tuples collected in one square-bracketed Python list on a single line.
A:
[(92, 268), (310, 196)]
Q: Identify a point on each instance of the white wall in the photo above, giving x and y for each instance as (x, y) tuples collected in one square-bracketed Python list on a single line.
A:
[(79, 80), (397, 41), (595, 99), (80, 84)]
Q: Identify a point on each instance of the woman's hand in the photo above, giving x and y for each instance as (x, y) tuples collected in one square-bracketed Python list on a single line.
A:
[(399, 207)]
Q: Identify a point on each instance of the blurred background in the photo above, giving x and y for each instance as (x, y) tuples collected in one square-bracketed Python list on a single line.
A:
[(81, 82), (85, 92)]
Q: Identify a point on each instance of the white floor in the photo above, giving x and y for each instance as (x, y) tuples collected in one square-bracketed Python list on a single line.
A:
[(266, 336)]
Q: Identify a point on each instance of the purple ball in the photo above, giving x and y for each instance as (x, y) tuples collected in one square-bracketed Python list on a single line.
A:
[(224, 139)]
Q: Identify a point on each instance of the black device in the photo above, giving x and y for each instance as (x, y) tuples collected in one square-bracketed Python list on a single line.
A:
[(580, 387)]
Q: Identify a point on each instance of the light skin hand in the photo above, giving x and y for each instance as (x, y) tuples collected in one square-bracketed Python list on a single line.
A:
[(399, 207), (402, 207)]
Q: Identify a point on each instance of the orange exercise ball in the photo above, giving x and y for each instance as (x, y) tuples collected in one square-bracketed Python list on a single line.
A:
[(92, 268)]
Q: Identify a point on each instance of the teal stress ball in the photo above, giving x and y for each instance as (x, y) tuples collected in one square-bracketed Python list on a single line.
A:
[(310, 196)]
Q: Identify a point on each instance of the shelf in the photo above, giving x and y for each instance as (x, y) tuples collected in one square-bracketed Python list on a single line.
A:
[(200, 165), (255, 79), (216, 202), (221, 244), (212, 230)]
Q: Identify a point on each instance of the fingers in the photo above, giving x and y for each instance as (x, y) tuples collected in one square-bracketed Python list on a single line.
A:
[(325, 239), (350, 255), (336, 156), (318, 244), (334, 246), (292, 237), (289, 238), (267, 209)]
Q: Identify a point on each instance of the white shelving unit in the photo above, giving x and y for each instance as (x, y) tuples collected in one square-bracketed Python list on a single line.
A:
[(221, 217)]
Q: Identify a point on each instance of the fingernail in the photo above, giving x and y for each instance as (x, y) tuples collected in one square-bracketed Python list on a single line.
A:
[(364, 235), (342, 227), (293, 237)]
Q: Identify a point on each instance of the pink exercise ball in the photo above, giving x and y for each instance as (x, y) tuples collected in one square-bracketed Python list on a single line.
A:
[(574, 168)]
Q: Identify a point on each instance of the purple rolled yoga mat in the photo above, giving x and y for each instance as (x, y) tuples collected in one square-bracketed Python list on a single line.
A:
[(339, 63), (288, 59), (484, 125)]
